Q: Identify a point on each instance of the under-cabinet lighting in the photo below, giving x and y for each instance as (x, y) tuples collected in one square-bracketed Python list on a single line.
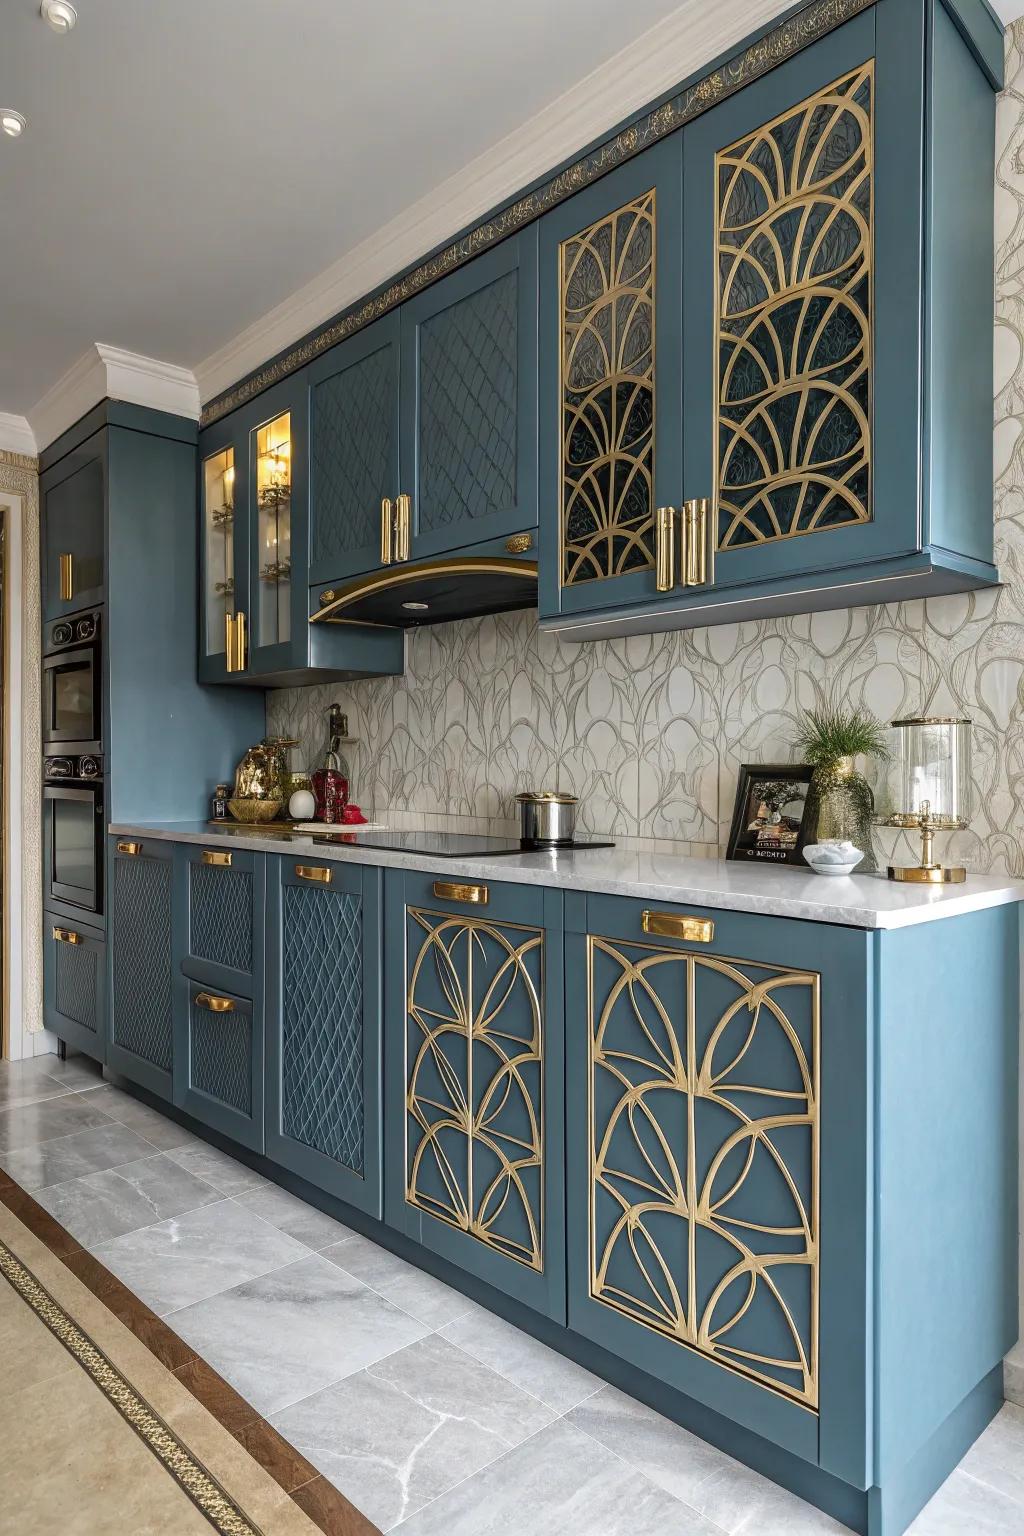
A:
[(416, 607)]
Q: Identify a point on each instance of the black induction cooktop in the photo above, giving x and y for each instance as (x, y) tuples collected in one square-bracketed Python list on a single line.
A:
[(450, 845)]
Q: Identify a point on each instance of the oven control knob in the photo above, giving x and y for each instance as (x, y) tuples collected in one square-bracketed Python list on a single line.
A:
[(88, 768), (58, 767), (86, 628), (62, 633)]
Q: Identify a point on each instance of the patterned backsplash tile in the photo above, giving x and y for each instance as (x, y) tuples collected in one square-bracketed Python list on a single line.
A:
[(650, 731)]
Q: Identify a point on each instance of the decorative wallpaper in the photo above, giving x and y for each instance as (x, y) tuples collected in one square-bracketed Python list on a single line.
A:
[(650, 731)]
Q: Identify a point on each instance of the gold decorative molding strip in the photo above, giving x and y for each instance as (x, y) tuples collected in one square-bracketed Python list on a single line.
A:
[(216, 1505), (777, 45), (19, 460)]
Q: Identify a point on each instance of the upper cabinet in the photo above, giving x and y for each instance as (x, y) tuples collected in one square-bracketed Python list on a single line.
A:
[(72, 521)]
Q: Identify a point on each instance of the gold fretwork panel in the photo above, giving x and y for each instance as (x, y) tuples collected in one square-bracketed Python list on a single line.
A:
[(703, 1117), (606, 289), (794, 279), (474, 1073)]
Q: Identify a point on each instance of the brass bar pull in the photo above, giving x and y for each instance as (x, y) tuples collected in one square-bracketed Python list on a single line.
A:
[(218, 859), (129, 848), (67, 936), (313, 872), (229, 642), (403, 520), (214, 1004), (664, 548), (670, 925), (697, 550), (240, 643), (67, 578), (386, 523), (448, 890)]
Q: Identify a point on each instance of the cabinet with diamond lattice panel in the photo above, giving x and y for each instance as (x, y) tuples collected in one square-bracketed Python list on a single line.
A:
[(223, 921), (142, 1002), (74, 965), (323, 1026), (220, 1065)]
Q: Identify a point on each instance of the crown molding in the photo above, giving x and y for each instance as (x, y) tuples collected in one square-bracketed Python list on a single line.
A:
[(649, 67), (110, 373), (16, 436)]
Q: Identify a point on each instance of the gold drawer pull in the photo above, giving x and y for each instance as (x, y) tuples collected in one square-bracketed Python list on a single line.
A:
[(216, 858), (313, 872), (447, 890), (67, 936), (67, 579), (130, 848), (696, 930), (214, 1004)]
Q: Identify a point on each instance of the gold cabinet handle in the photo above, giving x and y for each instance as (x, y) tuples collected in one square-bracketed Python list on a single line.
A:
[(229, 642), (664, 548), (67, 578), (403, 519), (130, 848), (327, 597), (240, 643), (448, 890), (214, 1004), (519, 543), (386, 519), (67, 936), (670, 925), (215, 857), (314, 872), (698, 543)]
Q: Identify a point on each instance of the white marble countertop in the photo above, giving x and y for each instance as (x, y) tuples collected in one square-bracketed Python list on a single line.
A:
[(858, 901)]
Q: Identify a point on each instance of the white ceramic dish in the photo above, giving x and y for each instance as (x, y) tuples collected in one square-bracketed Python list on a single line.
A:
[(833, 857)]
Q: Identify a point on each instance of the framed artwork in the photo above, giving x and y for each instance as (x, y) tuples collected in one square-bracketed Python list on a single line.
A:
[(769, 823)]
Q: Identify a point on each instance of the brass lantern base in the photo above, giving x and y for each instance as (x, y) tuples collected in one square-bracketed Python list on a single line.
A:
[(928, 874)]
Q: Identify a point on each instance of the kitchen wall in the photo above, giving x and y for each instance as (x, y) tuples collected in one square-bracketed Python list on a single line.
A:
[(650, 731)]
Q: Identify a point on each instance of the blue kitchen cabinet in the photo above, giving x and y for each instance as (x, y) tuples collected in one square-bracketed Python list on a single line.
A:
[(323, 1017), (72, 523), (143, 988), (74, 984), (473, 1051), (218, 1064), (222, 918)]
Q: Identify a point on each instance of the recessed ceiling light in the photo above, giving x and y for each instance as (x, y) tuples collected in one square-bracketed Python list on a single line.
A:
[(12, 123), (416, 607), (59, 14)]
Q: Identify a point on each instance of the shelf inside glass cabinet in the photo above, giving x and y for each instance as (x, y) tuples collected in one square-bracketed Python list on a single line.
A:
[(219, 521), (274, 509)]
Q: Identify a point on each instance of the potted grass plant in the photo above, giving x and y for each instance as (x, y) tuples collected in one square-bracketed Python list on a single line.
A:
[(841, 802)]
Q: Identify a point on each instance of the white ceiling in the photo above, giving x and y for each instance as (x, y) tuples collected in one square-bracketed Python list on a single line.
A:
[(201, 181)]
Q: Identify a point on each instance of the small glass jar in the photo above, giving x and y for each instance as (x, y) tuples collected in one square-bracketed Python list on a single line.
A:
[(219, 802)]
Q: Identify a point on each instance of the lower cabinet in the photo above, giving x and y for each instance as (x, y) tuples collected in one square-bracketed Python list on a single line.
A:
[(141, 1045), (218, 1068), (74, 985), (473, 1067), (323, 1009)]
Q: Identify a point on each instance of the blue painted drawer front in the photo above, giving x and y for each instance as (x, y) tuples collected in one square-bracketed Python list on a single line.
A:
[(323, 1011), (353, 449), (221, 1065), (468, 447), (74, 985), (474, 1052), (700, 1159), (73, 522), (223, 919), (142, 972)]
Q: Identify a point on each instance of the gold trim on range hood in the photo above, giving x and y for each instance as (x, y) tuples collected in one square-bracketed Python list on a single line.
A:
[(485, 584)]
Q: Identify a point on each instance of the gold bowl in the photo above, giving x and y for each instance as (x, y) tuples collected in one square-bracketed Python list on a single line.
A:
[(254, 810)]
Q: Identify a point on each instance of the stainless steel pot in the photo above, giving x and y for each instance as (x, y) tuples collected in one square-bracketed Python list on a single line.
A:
[(547, 819)]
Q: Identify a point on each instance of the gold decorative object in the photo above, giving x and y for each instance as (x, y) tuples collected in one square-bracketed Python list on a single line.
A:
[(519, 543), (254, 811), (933, 763), (703, 1110), (606, 288), (793, 265), (474, 1074)]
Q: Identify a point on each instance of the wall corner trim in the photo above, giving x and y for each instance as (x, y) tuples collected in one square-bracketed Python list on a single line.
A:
[(110, 373), (16, 436)]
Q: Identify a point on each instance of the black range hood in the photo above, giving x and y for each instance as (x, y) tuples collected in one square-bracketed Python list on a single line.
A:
[(432, 592)]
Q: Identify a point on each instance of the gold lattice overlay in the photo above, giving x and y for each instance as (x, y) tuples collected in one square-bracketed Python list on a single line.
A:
[(793, 306), (606, 286), (474, 1062), (704, 1155)]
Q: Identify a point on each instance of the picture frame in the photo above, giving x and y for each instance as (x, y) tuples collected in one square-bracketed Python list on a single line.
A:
[(769, 822)]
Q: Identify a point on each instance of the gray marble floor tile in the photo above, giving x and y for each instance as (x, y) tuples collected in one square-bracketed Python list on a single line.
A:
[(27, 1124), (515, 1355), (163, 1132), (104, 1205), (557, 1483), (292, 1215), (27, 1082), (965, 1507), (196, 1255), (224, 1173), (1013, 1380), (76, 1070), (997, 1456), (285, 1335), (72, 1157), (412, 1289), (404, 1431)]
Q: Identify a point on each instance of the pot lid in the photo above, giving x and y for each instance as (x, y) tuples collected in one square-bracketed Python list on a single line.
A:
[(546, 796)]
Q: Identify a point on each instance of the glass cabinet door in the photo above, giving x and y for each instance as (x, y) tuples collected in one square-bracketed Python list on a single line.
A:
[(273, 511), (218, 487)]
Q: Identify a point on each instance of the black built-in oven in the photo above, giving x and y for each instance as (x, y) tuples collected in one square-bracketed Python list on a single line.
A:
[(73, 806), (73, 685)]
